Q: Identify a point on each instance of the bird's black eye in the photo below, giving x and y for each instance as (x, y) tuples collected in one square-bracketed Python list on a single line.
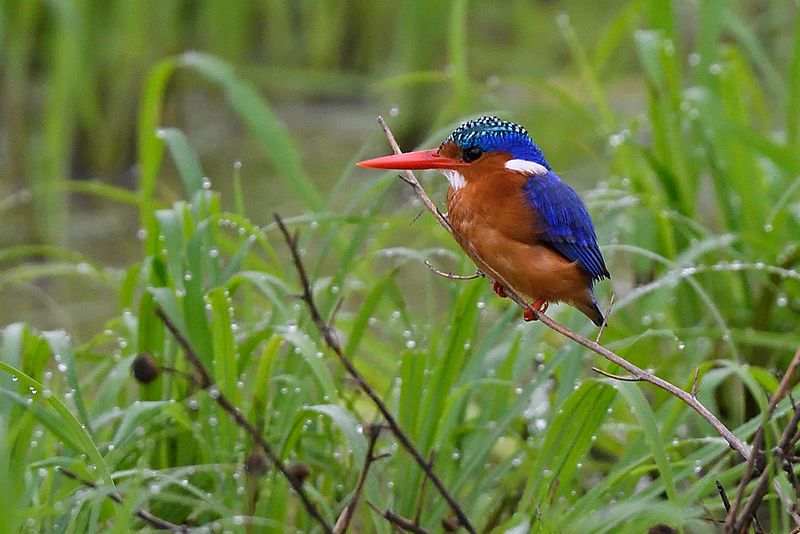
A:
[(471, 154)]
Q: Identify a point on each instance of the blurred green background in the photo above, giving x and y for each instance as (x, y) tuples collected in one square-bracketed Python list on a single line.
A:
[(678, 121), (73, 74)]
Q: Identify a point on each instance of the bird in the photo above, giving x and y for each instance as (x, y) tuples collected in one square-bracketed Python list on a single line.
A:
[(506, 203)]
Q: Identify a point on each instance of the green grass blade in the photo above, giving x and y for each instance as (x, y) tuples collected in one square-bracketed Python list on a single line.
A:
[(649, 425), (793, 107), (262, 122), (189, 168), (62, 353), (70, 422), (149, 147), (568, 439)]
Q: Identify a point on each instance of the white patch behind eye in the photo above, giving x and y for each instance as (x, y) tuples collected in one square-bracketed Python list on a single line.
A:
[(456, 179), (526, 167)]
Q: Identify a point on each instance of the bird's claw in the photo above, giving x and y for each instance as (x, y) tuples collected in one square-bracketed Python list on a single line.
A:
[(499, 289), (537, 307)]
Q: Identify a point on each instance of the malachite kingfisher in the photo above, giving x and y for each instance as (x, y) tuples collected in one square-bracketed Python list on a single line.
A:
[(524, 222)]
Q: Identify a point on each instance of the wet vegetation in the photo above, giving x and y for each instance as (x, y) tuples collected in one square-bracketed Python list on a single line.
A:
[(145, 146)]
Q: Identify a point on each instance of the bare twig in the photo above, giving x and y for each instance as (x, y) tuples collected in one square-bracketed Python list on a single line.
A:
[(240, 420), (336, 308), (694, 382), (616, 377), (152, 520), (408, 177), (332, 341), (205, 379), (452, 276), (421, 493), (399, 521), (372, 431), (606, 316), (723, 495)]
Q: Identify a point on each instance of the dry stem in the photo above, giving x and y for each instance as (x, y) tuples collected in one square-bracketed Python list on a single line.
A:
[(606, 316), (151, 519), (372, 431), (453, 276), (399, 521), (241, 421)]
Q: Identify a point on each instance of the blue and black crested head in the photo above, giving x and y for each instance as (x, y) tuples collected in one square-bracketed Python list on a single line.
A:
[(476, 149), (492, 134)]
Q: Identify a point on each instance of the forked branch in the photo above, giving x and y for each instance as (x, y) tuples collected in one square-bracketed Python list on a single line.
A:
[(332, 341)]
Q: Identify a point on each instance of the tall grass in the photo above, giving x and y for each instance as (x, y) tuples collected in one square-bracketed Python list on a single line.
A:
[(698, 215)]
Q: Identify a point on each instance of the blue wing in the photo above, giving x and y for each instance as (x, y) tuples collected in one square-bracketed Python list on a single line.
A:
[(567, 226)]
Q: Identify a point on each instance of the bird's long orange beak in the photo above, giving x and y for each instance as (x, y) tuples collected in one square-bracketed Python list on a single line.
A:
[(421, 159)]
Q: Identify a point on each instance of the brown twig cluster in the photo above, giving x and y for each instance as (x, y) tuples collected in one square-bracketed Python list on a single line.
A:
[(735, 522), (403, 523)]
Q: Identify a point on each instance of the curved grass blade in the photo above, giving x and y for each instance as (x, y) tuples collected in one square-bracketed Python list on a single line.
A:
[(568, 438), (647, 421), (62, 353), (71, 423), (189, 168)]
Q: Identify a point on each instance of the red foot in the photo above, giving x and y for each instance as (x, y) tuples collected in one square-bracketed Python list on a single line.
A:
[(540, 305), (499, 289)]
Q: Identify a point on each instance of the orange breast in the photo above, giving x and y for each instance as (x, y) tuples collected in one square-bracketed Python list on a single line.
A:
[(492, 214)]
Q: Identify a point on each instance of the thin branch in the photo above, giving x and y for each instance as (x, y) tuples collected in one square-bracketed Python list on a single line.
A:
[(616, 377), (240, 420), (723, 495), (178, 372), (421, 493), (734, 442), (336, 308), (332, 341), (452, 276), (188, 352), (399, 521), (606, 316), (373, 431), (694, 382), (153, 520)]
